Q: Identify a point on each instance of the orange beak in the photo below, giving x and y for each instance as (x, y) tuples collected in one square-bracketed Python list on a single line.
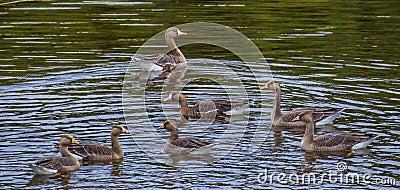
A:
[(74, 141), (296, 118), (161, 126)]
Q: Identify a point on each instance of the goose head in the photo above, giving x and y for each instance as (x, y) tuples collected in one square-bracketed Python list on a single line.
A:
[(66, 140), (305, 116), (118, 129), (271, 85), (170, 126), (174, 33)]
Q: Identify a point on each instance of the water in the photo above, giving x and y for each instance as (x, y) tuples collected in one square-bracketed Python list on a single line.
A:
[(63, 66)]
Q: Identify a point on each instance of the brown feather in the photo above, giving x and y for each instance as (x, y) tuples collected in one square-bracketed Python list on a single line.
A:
[(215, 108), (190, 142), (92, 151)]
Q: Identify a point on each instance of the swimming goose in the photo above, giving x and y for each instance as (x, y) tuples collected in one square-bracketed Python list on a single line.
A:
[(216, 108), (163, 61), (331, 141), (189, 145), (98, 152), (64, 164), (322, 116)]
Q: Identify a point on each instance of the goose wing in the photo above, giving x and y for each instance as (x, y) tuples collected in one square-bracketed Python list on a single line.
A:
[(206, 107), (191, 142), (55, 163), (167, 62), (163, 60), (217, 106), (348, 139), (226, 105), (84, 150)]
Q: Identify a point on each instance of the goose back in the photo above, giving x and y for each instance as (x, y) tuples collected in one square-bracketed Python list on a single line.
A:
[(209, 108), (93, 152), (190, 142)]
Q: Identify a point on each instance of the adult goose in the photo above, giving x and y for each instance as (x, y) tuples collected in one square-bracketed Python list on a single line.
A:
[(331, 141), (207, 108), (164, 62), (58, 165), (322, 116), (189, 145), (98, 152)]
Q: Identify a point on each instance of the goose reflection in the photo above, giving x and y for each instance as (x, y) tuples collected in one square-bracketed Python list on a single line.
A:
[(312, 156), (191, 160), (39, 179), (115, 165), (49, 179), (169, 77)]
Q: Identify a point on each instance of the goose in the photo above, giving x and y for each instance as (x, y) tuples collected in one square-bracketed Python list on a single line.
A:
[(58, 165), (184, 146), (98, 152), (164, 62), (216, 107), (322, 116), (332, 141)]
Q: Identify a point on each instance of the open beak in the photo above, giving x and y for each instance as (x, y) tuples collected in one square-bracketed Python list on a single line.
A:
[(181, 33), (264, 87), (74, 141), (168, 98), (296, 118), (161, 126)]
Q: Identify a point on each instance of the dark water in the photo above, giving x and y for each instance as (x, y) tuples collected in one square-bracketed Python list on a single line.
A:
[(64, 70)]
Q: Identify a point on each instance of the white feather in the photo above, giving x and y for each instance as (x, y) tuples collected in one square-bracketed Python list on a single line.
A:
[(329, 120), (364, 144), (203, 150), (146, 65)]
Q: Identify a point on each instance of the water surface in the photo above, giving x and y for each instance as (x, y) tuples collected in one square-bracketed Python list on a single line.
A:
[(63, 65)]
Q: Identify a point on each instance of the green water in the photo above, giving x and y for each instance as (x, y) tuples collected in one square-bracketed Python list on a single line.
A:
[(63, 64)]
